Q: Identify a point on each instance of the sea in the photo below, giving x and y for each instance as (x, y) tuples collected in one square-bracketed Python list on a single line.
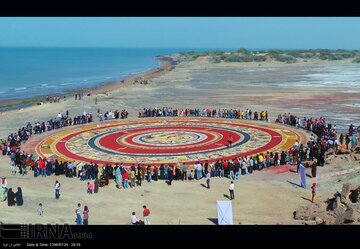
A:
[(32, 71)]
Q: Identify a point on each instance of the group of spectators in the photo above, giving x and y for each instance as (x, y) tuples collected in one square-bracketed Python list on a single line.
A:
[(113, 115), (205, 112), (125, 177), (327, 134)]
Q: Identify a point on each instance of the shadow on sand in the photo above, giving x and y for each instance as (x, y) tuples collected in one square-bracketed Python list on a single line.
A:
[(202, 184), (306, 198), (213, 220), (295, 184), (227, 196)]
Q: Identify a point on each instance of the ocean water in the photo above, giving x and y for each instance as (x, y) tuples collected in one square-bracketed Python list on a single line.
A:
[(29, 72)]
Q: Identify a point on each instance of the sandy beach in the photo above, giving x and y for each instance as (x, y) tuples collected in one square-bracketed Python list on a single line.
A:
[(267, 197), (224, 85)]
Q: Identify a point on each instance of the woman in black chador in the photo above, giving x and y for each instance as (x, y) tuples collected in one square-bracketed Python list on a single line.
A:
[(11, 197), (96, 187), (19, 197)]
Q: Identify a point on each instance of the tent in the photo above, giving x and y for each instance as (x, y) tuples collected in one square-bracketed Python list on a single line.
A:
[(225, 216)]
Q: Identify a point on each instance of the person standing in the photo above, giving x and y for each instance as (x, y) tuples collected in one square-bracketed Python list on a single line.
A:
[(138, 176), (347, 141), (86, 216), (13, 166), (40, 209), (184, 171), (146, 214), (313, 169), (313, 192), (2, 194), (96, 185), (19, 197), (208, 175), (78, 215), (132, 178), (170, 175), (57, 189), (11, 197), (230, 140), (4, 184), (90, 188), (231, 189)]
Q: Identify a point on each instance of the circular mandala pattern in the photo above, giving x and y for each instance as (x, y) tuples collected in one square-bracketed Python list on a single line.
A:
[(157, 141), (169, 138)]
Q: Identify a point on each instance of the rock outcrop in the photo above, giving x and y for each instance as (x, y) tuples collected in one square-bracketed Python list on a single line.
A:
[(342, 208)]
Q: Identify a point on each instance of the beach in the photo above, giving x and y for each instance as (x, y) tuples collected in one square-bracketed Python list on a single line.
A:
[(165, 63), (273, 86), (276, 87)]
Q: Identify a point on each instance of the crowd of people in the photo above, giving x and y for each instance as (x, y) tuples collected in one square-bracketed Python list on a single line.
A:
[(11, 145), (327, 134), (204, 112), (324, 137), (124, 178)]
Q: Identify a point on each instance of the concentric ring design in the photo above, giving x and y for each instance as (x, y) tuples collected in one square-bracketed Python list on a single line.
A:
[(166, 141), (169, 138)]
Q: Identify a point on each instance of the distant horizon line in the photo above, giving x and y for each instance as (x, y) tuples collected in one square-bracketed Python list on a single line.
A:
[(178, 48)]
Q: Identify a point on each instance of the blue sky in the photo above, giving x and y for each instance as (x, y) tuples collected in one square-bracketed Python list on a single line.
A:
[(182, 32)]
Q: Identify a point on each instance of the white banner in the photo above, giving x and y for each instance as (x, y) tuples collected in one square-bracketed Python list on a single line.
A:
[(225, 216)]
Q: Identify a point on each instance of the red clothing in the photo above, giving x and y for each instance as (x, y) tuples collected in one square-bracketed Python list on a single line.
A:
[(226, 164), (86, 214), (41, 164), (146, 212), (313, 187), (126, 176)]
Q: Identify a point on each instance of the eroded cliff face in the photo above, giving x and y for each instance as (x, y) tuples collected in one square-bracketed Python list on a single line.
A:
[(342, 208)]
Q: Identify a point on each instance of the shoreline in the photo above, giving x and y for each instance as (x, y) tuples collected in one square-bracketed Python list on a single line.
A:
[(167, 63)]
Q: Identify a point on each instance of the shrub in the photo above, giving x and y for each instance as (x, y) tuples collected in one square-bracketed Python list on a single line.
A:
[(214, 59), (356, 60), (238, 58), (259, 58)]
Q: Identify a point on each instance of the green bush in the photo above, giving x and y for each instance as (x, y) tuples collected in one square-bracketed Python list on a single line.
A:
[(215, 59), (238, 58), (259, 58), (356, 60), (243, 51), (284, 58)]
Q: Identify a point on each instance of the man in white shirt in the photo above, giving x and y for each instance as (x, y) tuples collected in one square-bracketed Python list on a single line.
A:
[(208, 179), (312, 138), (231, 189), (133, 219), (57, 189), (78, 219)]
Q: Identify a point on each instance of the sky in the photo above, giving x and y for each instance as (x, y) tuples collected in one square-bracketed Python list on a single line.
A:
[(182, 32)]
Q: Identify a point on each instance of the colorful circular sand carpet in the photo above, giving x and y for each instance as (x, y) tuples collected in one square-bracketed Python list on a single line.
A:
[(166, 140)]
